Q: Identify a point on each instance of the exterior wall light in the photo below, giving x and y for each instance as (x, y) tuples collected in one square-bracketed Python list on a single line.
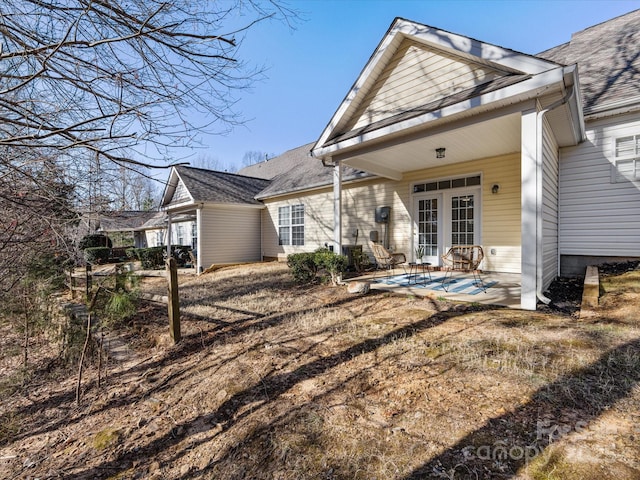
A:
[(495, 188), (440, 152)]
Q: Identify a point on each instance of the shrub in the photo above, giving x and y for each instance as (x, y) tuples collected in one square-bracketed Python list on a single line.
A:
[(303, 267), (333, 263), (97, 254), (119, 254), (151, 258), (95, 240)]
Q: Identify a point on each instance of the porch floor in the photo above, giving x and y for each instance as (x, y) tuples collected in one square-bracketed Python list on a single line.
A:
[(504, 292)]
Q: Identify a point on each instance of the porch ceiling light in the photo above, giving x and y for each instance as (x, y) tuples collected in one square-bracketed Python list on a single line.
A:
[(440, 152)]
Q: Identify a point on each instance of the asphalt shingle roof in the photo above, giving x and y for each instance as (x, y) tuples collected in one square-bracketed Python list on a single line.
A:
[(125, 221), (275, 166), (295, 170), (608, 58), (220, 187)]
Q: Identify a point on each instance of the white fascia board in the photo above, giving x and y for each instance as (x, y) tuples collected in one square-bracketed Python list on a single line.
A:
[(515, 93), (169, 185), (232, 205), (178, 206), (314, 188), (576, 107), (357, 88)]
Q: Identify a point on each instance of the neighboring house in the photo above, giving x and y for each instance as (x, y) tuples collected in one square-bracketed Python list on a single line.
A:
[(143, 229), (136, 228), (533, 157), (225, 212)]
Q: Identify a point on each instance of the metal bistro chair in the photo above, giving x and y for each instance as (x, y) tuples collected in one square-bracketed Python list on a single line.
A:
[(463, 258), (385, 259)]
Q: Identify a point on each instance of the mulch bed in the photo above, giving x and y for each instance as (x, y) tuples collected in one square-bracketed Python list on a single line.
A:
[(566, 292)]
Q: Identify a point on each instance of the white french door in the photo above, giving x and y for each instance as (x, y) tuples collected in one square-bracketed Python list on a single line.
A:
[(428, 227), (443, 219)]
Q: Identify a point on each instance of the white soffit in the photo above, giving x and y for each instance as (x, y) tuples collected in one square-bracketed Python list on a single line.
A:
[(490, 138)]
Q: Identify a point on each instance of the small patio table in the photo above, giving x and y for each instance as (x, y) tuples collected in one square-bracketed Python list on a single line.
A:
[(414, 271)]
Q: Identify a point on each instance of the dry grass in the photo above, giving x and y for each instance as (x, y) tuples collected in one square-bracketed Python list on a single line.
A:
[(276, 381)]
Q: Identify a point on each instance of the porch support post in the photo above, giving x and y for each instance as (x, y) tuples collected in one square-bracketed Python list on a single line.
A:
[(337, 207), (199, 249), (529, 217), (169, 234)]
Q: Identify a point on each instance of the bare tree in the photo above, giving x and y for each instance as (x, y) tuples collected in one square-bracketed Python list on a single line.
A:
[(92, 90), (255, 156), (106, 76)]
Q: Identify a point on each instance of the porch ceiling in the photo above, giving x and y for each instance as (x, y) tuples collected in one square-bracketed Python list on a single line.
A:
[(416, 151)]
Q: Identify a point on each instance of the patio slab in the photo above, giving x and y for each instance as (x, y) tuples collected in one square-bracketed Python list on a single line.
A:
[(505, 292)]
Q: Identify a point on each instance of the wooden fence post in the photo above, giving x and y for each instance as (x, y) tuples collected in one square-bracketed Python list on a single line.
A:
[(88, 278), (174, 300)]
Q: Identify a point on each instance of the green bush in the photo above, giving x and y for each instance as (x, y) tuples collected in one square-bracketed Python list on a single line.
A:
[(305, 266), (95, 240), (334, 264), (151, 258), (97, 254)]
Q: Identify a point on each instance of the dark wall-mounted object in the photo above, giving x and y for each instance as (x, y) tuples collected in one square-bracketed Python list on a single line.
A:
[(383, 214)]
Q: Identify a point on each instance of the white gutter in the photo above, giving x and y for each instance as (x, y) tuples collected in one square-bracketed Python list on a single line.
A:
[(540, 192)]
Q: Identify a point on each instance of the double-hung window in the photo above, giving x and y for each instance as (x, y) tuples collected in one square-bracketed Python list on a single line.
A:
[(291, 225), (626, 152), (180, 235), (194, 235)]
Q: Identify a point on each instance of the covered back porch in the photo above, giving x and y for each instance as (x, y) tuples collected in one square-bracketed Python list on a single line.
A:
[(464, 137)]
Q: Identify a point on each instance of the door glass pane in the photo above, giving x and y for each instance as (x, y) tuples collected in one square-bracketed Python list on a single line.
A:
[(428, 226), (462, 226)]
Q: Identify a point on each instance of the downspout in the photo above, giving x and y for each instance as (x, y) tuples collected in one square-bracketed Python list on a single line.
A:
[(540, 192)]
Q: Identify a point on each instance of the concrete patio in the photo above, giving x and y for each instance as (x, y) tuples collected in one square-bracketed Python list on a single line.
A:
[(505, 292)]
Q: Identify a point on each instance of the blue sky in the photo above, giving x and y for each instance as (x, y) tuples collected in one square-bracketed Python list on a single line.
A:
[(311, 69)]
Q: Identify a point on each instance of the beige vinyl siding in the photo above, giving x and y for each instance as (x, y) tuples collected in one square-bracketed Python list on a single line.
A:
[(500, 229), (229, 235), (318, 223), (549, 206), (598, 217), (359, 201), (415, 77)]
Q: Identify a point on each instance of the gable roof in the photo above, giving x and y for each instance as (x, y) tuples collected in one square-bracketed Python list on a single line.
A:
[(125, 221), (417, 71), (608, 58), (188, 185)]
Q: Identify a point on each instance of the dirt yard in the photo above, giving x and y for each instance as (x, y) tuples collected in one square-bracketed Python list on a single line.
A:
[(275, 381)]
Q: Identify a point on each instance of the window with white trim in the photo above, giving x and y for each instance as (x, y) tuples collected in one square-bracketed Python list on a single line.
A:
[(180, 235), (194, 235), (291, 225), (626, 166)]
